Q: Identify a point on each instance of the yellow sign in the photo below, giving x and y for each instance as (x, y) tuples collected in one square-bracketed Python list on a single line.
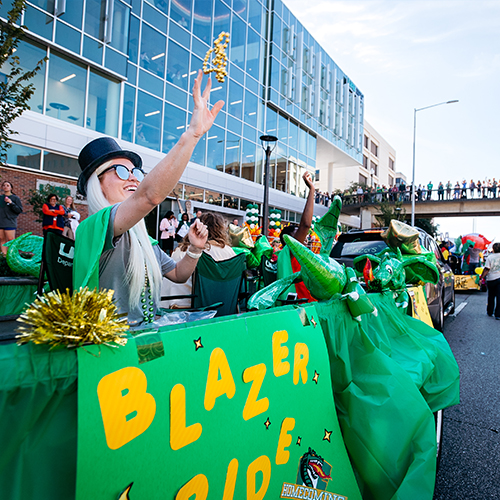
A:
[(465, 282), (219, 60), (419, 307), (217, 406)]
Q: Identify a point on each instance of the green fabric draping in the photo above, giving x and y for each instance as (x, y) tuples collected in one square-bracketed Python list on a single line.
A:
[(38, 428), (389, 373), (13, 298)]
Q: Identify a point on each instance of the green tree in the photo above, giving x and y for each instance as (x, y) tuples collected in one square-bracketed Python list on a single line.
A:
[(390, 210), (15, 91)]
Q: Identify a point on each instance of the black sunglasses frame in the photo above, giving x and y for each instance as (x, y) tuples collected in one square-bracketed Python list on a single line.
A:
[(133, 172)]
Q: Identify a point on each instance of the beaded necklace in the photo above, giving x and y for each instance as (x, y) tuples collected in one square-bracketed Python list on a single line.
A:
[(147, 299)]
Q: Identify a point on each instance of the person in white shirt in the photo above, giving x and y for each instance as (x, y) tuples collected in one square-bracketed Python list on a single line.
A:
[(491, 274)]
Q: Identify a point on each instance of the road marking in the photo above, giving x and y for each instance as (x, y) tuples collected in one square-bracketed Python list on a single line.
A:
[(458, 309)]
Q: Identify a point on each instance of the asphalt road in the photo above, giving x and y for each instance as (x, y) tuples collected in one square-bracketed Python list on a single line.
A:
[(470, 461)]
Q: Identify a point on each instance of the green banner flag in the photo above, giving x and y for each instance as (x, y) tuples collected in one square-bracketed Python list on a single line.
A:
[(240, 408)]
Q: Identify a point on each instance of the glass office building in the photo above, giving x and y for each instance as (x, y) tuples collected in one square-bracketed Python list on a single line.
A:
[(125, 68)]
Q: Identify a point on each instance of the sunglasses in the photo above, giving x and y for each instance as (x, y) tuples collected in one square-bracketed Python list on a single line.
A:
[(124, 173)]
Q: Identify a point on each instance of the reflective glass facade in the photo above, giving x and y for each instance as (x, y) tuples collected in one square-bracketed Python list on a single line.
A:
[(125, 68)]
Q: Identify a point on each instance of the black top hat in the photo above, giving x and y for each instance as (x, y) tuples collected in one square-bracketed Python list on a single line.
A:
[(97, 152)]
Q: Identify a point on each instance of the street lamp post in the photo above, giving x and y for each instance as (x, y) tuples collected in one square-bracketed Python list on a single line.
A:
[(267, 141), (412, 194)]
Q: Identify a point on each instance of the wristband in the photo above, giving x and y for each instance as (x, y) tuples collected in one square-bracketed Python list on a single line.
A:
[(193, 255)]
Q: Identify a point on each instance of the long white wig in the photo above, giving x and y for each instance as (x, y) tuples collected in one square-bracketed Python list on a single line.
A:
[(141, 251)]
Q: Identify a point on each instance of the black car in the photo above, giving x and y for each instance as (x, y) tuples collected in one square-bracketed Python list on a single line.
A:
[(440, 297)]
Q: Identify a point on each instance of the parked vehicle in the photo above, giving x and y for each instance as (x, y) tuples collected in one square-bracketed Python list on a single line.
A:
[(440, 297)]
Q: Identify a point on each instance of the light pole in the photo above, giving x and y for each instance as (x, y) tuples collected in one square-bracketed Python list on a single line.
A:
[(267, 141), (412, 193)]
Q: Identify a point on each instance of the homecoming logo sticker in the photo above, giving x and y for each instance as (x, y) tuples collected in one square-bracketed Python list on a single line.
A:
[(312, 479)]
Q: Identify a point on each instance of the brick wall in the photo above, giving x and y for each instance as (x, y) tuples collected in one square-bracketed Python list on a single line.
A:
[(22, 182)]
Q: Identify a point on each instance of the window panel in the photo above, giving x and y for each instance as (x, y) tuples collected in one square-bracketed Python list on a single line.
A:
[(161, 5), (66, 89), (248, 160), (311, 147), (276, 33), (237, 42), (133, 45), (95, 11), (115, 61), (74, 14), (121, 19), (92, 49), (282, 131), (233, 153), (215, 148), (46, 5), (29, 54), (180, 12), (213, 198), (281, 165), (271, 122), (153, 46), (230, 202), (199, 152), (302, 141), (38, 22), (128, 113), (234, 125), (197, 64), (202, 20), (235, 100), (293, 135), (181, 36), (103, 104), (148, 121), (174, 126), (131, 74), (222, 18), (150, 83), (253, 54), (178, 65), (240, 7), (68, 37), (59, 164), (155, 18), (193, 193), (23, 156), (255, 18), (175, 95)]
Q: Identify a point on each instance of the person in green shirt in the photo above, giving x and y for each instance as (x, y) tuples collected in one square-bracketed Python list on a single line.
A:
[(429, 190)]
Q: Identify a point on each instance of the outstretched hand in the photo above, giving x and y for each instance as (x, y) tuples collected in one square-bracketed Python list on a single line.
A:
[(203, 117), (308, 180), (198, 234)]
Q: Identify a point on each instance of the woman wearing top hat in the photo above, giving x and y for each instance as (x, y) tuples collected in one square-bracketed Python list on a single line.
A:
[(112, 247)]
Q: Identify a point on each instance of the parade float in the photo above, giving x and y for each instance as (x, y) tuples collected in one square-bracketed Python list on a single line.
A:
[(461, 250), (332, 400), (329, 400)]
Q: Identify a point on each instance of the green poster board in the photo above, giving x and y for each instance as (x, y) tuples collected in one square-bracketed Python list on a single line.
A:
[(235, 409)]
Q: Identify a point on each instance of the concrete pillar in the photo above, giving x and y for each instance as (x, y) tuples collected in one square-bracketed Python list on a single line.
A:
[(366, 218)]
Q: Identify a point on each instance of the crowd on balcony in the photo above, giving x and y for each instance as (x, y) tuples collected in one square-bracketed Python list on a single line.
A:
[(401, 192)]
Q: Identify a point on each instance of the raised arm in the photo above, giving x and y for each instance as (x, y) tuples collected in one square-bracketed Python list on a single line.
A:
[(307, 214), (158, 184)]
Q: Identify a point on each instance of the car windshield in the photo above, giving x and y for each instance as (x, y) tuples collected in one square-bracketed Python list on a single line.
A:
[(354, 248)]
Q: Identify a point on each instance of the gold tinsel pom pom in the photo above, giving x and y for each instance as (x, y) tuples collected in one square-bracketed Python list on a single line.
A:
[(85, 317)]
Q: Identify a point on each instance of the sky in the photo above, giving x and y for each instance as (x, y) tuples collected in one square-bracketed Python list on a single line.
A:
[(407, 54)]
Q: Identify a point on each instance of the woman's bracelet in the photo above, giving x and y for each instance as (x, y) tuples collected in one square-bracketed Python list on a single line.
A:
[(193, 255)]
